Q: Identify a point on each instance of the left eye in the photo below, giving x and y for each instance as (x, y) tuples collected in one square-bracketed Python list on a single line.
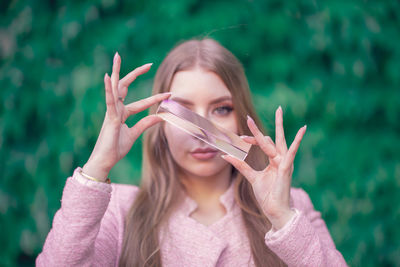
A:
[(224, 110)]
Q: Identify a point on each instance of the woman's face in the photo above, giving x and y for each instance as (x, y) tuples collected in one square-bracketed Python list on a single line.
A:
[(204, 93)]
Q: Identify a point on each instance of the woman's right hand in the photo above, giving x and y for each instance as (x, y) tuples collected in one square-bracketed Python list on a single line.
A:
[(116, 138)]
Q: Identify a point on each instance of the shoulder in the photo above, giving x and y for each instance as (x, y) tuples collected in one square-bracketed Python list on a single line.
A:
[(300, 199)]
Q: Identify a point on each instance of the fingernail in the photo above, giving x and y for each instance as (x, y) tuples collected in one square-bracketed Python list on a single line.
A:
[(243, 136), (250, 118), (305, 126), (167, 93), (223, 156), (115, 56), (279, 108), (148, 64)]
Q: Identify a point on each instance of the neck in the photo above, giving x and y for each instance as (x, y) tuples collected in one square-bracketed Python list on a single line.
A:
[(206, 190)]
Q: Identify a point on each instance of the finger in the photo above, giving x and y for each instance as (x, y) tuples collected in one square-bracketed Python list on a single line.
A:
[(242, 167), (131, 76), (146, 122), (279, 133), (249, 139), (143, 104), (110, 101), (289, 158), (122, 91), (266, 146), (115, 75), (252, 140)]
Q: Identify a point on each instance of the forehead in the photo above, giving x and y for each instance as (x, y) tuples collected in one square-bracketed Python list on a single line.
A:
[(198, 85)]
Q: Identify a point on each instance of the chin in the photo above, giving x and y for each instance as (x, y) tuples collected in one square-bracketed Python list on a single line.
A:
[(204, 169)]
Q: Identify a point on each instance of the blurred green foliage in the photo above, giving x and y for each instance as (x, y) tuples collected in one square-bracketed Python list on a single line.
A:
[(333, 65)]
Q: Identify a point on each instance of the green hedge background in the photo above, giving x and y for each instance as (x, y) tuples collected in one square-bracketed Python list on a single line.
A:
[(333, 65)]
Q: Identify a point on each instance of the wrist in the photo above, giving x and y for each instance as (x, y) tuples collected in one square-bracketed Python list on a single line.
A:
[(280, 221), (94, 170)]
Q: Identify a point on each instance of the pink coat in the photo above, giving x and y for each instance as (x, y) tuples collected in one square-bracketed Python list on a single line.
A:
[(88, 230)]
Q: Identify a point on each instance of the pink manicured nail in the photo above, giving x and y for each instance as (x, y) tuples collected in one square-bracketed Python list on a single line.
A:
[(250, 118), (115, 57), (243, 136)]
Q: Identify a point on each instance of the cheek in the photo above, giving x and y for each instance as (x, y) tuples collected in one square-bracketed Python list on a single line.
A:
[(229, 123), (177, 140)]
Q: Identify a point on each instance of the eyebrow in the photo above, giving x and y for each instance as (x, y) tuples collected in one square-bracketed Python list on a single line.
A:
[(188, 102)]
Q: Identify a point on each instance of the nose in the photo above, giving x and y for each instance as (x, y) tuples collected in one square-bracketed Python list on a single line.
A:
[(202, 112)]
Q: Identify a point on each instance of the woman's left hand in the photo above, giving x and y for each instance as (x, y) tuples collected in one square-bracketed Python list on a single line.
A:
[(271, 186)]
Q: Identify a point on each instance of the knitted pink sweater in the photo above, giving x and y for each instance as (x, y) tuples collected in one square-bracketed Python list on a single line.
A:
[(89, 227)]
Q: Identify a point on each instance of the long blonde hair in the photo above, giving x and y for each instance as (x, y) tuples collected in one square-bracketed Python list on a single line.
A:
[(157, 195)]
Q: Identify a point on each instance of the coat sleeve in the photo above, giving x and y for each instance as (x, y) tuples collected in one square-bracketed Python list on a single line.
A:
[(305, 239), (83, 233)]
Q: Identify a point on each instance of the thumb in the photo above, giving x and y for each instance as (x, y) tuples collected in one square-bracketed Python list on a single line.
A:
[(146, 122), (242, 167)]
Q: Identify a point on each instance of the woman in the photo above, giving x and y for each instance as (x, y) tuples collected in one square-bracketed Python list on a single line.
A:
[(195, 206)]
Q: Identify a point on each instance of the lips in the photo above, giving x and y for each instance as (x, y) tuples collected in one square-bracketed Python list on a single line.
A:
[(204, 153), (204, 150)]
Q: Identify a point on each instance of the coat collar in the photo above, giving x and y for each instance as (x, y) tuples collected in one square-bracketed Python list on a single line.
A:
[(185, 241), (227, 199)]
